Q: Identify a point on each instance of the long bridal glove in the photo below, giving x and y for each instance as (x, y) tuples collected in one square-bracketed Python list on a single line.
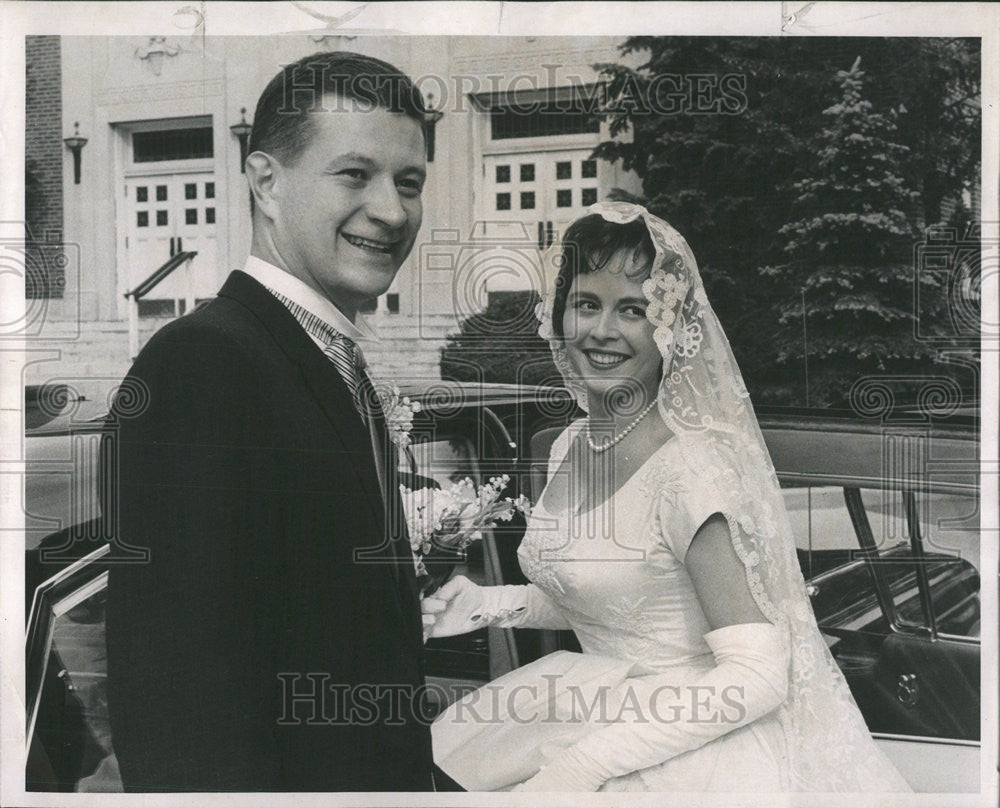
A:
[(460, 606), (749, 681)]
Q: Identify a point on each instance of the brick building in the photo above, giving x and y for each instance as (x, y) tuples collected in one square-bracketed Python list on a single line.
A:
[(43, 171)]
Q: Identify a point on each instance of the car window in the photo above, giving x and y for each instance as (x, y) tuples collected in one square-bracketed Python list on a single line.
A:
[(827, 540), (446, 461), (60, 482), (939, 592), (71, 727), (822, 528)]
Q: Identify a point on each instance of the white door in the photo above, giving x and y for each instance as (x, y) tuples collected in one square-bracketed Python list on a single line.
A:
[(545, 191), (168, 214)]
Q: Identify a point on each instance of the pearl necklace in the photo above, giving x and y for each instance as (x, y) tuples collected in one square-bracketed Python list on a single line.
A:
[(617, 438)]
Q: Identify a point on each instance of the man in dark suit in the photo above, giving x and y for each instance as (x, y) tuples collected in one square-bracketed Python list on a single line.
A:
[(264, 629)]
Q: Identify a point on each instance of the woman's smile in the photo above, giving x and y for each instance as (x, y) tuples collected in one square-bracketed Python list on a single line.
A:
[(603, 359)]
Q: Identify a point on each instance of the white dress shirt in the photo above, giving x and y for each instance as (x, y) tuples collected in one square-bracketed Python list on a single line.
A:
[(297, 291)]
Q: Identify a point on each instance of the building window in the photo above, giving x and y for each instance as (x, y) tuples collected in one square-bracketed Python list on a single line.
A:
[(161, 193), (160, 307), (161, 218), (172, 144), (142, 218), (528, 172), (528, 200), (542, 113), (392, 302), (589, 196), (588, 169), (209, 215), (209, 190), (142, 194), (190, 190), (564, 198), (564, 170), (191, 216), (503, 173), (503, 201)]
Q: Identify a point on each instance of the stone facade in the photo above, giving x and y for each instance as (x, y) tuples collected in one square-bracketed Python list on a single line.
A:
[(116, 87)]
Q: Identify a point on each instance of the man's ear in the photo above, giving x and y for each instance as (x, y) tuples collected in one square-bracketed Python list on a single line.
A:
[(262, 173)]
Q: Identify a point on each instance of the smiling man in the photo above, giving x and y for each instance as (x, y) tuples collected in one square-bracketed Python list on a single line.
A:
[(271, 640)]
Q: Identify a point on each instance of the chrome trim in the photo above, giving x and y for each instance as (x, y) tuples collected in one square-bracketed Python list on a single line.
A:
[(888, 736), (61, 576)]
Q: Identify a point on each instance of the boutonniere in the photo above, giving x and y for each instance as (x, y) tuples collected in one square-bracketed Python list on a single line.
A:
[(398, 410)]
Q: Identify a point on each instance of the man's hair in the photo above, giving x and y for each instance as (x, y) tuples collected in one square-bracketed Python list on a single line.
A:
[(588, 245), (282, 122)]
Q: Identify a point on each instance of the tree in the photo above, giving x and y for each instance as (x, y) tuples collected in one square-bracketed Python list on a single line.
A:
[(849, 269), (725, 174), (500, 344)]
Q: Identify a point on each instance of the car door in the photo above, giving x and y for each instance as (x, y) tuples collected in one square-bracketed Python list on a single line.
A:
[(891, 563), (69, 735), (448, 445)]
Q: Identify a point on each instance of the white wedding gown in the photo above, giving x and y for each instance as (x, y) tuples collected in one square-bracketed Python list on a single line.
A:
[(616, 574)]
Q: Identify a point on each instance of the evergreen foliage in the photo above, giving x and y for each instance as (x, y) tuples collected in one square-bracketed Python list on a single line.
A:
[(849, 249), (500, 344), (731, 175)]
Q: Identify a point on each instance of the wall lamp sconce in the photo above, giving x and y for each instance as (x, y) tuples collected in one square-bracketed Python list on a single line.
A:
[(431, 118), (242, 131), (76, 144)]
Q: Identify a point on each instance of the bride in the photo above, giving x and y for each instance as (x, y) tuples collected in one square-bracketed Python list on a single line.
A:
[(661, 540)]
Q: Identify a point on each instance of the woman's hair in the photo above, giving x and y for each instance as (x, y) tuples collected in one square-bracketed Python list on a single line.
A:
[(588, 245)]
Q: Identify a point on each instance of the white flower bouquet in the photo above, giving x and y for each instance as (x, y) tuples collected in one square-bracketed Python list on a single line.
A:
[(442, 522)]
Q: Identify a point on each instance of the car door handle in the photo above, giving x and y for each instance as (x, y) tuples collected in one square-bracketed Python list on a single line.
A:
[(907, 689)]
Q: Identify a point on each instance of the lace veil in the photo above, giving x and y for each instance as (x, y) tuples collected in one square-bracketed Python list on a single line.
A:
[(702, 391)]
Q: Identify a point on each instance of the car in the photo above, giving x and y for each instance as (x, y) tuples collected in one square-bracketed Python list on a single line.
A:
[(885, 515)]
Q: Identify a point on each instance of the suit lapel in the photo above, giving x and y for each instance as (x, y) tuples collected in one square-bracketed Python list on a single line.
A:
[(333, 396), (319, 375)]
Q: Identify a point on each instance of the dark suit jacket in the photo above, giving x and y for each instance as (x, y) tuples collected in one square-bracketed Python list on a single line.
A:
[(237, 462)]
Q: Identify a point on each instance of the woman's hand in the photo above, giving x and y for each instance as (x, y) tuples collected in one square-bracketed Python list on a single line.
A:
[(450, 610), (461, 606)]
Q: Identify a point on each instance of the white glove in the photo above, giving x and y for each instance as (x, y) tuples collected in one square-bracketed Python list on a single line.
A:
[(460, 606), (567, 772), (749, 681)]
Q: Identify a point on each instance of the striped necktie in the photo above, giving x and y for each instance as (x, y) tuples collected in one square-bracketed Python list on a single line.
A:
[(344, 352), (346, 356)]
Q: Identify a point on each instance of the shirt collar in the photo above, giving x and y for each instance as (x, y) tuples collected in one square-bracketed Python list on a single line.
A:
[(284, 283)]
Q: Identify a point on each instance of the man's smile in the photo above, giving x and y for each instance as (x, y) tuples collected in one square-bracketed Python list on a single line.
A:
[(371, 245)]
